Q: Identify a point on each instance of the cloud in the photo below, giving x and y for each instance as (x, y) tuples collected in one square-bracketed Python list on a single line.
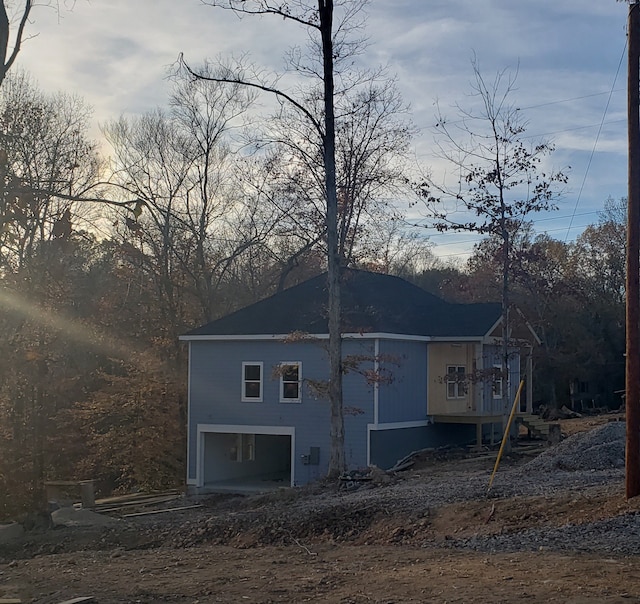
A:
[(116, 54)]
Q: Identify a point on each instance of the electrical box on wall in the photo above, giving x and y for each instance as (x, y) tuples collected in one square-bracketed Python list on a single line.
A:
[(312, 458)]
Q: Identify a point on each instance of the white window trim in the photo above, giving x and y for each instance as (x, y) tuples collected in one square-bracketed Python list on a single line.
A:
[(457, 385), (282, 397), (203, 429), (251, 399), (497, 379)]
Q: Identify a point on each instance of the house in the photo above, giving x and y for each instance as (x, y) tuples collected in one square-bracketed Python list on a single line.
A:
[(256, 409)]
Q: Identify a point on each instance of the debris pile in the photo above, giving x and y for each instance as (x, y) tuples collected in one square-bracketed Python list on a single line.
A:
[(372, 506), (369, 477), (552, 414), (429, 455), (600, 449)]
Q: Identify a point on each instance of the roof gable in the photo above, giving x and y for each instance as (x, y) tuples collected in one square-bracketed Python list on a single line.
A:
[(371, 303)]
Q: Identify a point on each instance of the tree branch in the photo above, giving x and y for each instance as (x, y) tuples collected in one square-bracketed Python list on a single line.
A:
[(258, 86), (133, 205), (4, 36), (240, 8)]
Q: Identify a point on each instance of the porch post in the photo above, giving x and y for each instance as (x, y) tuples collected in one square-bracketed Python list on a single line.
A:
[(529, 407)]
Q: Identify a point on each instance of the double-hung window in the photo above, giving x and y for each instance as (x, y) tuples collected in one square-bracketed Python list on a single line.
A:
[(290, 382), (456, 381), (496, 386), (252, 381)]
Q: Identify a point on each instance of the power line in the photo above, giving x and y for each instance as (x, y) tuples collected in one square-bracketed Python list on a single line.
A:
[(575, 98), (575, 128), (560, 217), (416, 224), (469, 252), (557, 102), (595, 143)]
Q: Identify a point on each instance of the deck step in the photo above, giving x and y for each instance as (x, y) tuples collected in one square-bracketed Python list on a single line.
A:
[(535, 425)]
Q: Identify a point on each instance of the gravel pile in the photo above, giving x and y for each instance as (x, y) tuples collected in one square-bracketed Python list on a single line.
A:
[(345, 516), (600, 449), (585, 461), (404, 505), (619, 535)]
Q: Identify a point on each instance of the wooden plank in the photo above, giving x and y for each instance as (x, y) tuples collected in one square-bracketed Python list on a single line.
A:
[(148, 513), (65, 483), (79, 600), (136, 496), (466, 419), (139, 502)]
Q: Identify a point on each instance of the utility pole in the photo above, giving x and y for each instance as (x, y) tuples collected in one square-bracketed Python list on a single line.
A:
[(632, 383)]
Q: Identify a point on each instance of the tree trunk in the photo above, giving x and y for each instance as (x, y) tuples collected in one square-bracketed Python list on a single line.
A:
[(4, 39), (7, 61), (505, 333), (337, 456)]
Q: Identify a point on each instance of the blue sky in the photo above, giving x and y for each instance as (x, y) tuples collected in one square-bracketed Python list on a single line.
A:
[(115, 53)]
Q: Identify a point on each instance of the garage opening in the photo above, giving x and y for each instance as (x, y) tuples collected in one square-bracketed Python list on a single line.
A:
[(245, 461)]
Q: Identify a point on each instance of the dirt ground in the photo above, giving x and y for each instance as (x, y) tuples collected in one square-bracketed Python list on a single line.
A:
[(581, 424), (383, 564), (324, 573)]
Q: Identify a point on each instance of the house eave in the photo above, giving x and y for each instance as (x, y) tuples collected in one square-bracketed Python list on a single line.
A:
[(456, 338), (324, 336), (210, 337), (310, 336), (489, 339)]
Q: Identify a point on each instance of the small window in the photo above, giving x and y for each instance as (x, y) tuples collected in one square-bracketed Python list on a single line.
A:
[(290, 382), (496, 385), (456, 381), (252, 382), (248, 447), (244, 448)]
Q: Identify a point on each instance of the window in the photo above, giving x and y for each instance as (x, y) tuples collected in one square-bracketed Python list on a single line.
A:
[(496, 385), (252, 382), (290, 382), (248, 447), (244, 448), (456, 382)]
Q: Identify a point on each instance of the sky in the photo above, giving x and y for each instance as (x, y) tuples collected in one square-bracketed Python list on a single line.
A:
[(570, 57)]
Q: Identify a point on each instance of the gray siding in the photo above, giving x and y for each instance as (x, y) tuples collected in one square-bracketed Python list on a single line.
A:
[(216, 392), (389, 446), (216, 389), (405, 399), (357, 397), (492, 356)]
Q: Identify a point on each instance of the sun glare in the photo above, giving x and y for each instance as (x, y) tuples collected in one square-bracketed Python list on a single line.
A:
[(72, 329)]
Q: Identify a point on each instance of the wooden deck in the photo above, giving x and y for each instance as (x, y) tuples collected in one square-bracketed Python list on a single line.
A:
[(472, 418)]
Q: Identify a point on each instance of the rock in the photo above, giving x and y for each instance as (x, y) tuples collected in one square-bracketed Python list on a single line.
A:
[(74, 517), (10, 532), (600, 449), (39, 520), (555, 435), (379, 476)]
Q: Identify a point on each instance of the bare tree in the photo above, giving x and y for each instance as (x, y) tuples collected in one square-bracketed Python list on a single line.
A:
[(46, 159), (8, 54), (201, 216), (373, 134), (331, 44), (499, 178)]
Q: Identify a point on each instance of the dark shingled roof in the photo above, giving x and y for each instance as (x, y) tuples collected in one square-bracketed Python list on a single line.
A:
[(371, 302)]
